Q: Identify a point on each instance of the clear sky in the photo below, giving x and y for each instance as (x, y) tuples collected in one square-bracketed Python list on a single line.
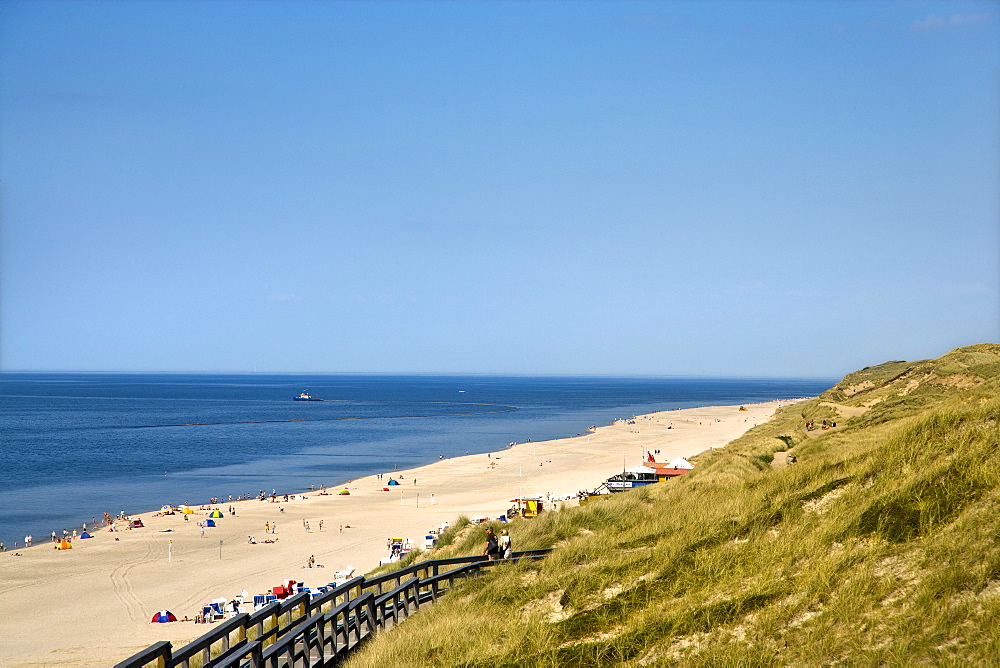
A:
[(656, 188)]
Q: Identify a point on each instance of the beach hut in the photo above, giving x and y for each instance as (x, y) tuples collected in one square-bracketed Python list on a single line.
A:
[(162, 617), (526, 507), (65, 545), (216, 513)]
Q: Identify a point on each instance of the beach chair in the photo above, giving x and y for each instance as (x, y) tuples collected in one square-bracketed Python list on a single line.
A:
[(259, 601), (212, 612), (218, 606), (344, 574)]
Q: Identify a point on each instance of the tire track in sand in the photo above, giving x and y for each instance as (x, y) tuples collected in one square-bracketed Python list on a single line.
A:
[(121, 583)]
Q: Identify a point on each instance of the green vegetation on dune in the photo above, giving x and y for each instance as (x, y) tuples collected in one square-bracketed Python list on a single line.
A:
[(878, 547)]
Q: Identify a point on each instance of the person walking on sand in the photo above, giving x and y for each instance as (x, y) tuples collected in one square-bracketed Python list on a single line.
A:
[(321, 525), (267, 527)]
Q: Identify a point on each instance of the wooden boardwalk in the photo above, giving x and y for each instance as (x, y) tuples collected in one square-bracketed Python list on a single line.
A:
[(317, 631)]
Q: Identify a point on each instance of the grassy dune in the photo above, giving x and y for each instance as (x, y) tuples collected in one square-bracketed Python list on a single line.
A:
[(880, 546)]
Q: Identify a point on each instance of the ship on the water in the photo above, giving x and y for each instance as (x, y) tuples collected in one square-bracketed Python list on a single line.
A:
[(305, 396)]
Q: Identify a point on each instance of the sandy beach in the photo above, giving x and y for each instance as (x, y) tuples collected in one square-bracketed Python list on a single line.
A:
[(91, 606)]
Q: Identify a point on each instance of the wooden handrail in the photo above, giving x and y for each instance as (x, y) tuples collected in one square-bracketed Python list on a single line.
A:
[(158, 652), (300, 625)]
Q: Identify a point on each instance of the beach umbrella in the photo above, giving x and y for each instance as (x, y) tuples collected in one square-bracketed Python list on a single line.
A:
[(162, 617), (166, 508), (215, 513)]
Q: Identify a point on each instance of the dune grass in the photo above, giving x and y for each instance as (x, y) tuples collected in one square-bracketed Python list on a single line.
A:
[(878, 547)]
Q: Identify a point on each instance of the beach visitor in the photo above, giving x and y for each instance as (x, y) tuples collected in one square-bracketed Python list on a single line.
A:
[(267, 527), (492, 550), (505, 544), (54, 539), (201, 529), (321, 525)]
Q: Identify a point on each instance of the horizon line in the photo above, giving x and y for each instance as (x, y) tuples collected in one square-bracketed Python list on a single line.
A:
[(413, 373)]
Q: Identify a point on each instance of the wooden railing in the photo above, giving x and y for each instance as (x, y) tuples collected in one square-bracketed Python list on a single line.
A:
[(319, 630)]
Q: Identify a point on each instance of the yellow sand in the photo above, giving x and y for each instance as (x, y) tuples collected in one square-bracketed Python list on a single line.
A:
[(91, 606)]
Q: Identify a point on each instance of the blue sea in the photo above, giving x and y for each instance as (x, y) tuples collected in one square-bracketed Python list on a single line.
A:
[(73, 446)]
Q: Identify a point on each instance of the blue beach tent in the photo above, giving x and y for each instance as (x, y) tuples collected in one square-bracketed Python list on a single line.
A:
[(210, 523)]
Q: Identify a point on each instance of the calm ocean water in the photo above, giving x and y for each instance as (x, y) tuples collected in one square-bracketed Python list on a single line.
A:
[(73, 446)]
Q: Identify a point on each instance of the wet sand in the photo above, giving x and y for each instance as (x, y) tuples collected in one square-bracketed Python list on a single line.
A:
[(91, 606)]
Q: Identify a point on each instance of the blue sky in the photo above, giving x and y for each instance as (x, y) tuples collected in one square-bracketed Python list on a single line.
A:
[(658, 188)]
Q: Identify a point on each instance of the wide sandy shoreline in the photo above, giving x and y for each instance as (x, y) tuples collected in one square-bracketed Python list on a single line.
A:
[(91, 606)]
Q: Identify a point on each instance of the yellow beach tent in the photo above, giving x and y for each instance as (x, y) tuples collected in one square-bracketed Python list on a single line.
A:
[(65, 545)]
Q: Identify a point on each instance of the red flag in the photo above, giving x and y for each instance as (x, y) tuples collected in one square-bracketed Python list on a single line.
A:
[(649, 456)]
